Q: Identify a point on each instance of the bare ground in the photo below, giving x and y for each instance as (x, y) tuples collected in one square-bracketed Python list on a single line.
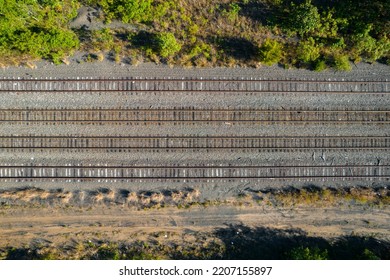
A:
[(27, 221)]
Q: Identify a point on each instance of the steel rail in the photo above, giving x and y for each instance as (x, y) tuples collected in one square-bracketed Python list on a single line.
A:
[(194, 143), (189, 79), (191, 85), (195, 172), (192, 115)]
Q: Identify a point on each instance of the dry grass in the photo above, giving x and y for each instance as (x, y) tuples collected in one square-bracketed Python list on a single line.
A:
[(177, 196), (65, 197), (110, 195), (157, 197), (324, 197), (100, 56), (98, 197), (132, 197), (145, 201), (25, 194), (287, 197)]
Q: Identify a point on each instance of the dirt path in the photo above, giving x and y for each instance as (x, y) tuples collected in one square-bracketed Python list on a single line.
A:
[(20, 227)]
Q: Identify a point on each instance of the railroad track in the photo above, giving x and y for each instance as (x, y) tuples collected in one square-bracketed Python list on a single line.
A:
[(191, 143), (192, 85), (201, 173), (187, 115), (75, 172)]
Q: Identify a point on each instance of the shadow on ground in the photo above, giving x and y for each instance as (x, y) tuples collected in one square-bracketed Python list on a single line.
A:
[(238, 48), (247, 243)]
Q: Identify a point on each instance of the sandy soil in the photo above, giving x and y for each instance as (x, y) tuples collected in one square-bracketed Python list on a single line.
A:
[(20, 226)]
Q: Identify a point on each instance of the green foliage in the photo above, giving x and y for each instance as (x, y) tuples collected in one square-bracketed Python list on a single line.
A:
[(304, 18), (126, 10), (319, 65), (34, 29), (166, 44), (369, 255), (305, 253), (103, 39), (37, 28), (232, 11), (369, 47), (328, 25), (308, 51), (341, 62), (108, 252), (270, 52), (200, 49)]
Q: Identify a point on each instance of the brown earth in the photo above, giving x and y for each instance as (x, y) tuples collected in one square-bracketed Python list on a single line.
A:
[(22, 225)]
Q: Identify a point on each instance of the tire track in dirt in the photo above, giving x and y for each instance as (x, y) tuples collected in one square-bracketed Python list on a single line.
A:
[(55, 226)]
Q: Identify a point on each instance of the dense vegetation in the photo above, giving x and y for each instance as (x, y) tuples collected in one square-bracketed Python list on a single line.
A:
[(36, 29), (301, 33)]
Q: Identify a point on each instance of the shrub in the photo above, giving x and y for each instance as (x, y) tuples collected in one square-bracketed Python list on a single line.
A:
[(308, 51), (319, 65), (341, 62), (232, 12), (166, 44), (37, 29), (126, 10), (103, 39), (270, 52), (108, 252), (372, 49), (304, 18), (369, 255), (305, 253)]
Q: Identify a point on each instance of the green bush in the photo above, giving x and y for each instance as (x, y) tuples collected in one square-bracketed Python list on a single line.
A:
[(232, 12), (341, 62), (125, 10), (108, 252), (308, 51), (103, 39), (37, 28), (305, 253), (166, 44), (304, 18), (369, 255), (319, 65), (370, 48), (270, 52)]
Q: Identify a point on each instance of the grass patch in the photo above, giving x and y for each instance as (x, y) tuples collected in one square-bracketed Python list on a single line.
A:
[(311, 196)]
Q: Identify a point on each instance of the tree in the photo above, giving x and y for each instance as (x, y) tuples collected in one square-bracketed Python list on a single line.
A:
[(270, 52), (125, 10), (369, 47), (304, 18)]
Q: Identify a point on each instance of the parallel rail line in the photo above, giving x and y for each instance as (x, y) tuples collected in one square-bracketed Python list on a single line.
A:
[(182, 85), (340, 172), (191, 115), (123, 143), (74, 171)]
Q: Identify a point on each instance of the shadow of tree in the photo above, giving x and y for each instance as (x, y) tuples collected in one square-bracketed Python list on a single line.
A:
[(243, 242), (238, 48), (262, 12), (143, 39)]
